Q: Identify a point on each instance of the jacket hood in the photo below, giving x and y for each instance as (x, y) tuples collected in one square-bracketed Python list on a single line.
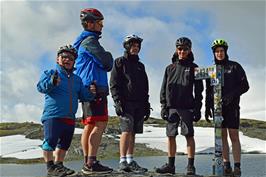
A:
[(83, 36), (134, 58)]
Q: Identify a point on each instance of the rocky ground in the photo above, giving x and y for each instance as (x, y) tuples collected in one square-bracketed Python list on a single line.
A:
[(119, 174)]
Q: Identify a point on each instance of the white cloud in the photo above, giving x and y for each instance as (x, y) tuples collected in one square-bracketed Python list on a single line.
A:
[(37, 29), (21, 113)]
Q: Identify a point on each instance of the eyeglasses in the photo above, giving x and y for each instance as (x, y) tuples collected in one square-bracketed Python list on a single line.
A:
[(64, 56), (183, 48)]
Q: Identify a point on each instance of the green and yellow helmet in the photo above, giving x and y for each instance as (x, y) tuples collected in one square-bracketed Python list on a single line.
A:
[(219, 43)]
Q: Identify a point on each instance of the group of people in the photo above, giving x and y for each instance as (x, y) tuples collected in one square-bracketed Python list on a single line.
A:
[(87, 82)]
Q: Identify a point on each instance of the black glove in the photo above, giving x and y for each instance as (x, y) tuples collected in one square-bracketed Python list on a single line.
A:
[(164, 113), (119, 108), (55, 78), (227, 99), (208, 113), (147, 111), (197, 115)]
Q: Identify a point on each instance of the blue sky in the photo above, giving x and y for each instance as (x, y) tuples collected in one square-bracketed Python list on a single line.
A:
[(31, 32)]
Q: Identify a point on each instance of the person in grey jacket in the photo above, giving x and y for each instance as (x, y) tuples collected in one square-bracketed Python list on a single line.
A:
[(181, 101), (92, 65)]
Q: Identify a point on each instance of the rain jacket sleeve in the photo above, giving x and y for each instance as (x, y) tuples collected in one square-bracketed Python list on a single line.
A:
[(116, 81), (45, 84), (209, 95), (163, 90), (103, 58), (242, 82), (198, 89), (85, 95)]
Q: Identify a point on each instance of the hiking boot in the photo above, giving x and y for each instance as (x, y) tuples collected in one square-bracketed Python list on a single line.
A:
[(124, 167), (228, 171), (166, 168), (237, 172), (96, 168), (55, 171), (191, 170), (67, 170), (134, 167)]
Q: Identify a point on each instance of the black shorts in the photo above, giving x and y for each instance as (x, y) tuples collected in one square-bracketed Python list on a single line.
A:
[(185, 118), (231, 118), (133, 118)]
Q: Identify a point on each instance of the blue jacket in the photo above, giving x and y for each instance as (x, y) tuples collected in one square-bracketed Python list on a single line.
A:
[(93, 61), (62, 101)]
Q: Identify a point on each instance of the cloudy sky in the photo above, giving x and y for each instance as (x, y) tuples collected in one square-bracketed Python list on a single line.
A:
[(31, 32)]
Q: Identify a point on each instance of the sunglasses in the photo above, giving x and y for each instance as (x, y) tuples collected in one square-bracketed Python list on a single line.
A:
[(183, 48), (64, 56)]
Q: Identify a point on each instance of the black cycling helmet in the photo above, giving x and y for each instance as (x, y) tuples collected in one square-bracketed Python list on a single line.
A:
[(183, 41), (219, 43), (90, 14), (128, 41), (67, 48)]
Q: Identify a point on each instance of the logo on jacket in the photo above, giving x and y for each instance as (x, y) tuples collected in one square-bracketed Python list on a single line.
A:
[(228, 71)]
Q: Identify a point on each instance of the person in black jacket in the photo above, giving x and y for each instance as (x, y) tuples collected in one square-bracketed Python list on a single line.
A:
[(235, 84), (129, 88), (179, 106)]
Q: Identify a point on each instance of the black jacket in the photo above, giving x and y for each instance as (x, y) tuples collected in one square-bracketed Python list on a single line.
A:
[(129, 81), (235, 84), (179, 85)]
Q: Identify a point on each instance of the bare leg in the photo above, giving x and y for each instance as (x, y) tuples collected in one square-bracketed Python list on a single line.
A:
[(190, 147), (96, 137), (225, 146), (124, 143), (171, 146), (131, 144), (85, 138), (59, 155), (236, 147), (48, 156)]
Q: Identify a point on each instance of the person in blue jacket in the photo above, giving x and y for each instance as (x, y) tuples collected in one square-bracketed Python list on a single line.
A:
[(62, 91), (92, 65)]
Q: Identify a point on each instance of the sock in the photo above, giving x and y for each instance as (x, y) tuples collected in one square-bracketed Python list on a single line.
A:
[(227, 165), (191, 161), (49, 164), (91, 159), (129, 158), (171, 161), (85, 159), (237, 165), (122, 159)]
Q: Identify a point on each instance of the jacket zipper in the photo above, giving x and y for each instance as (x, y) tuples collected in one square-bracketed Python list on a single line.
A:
[(70, 82)]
